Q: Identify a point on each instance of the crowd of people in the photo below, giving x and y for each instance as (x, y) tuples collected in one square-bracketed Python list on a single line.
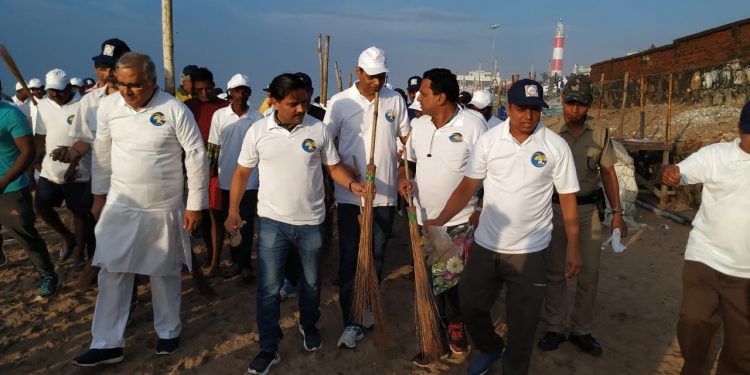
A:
[(140, 170)]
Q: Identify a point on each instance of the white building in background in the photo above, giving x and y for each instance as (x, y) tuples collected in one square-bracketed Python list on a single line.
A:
[(477, 80), (581, 69)]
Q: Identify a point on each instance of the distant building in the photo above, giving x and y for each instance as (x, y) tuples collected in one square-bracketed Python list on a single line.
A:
[(477, 80)]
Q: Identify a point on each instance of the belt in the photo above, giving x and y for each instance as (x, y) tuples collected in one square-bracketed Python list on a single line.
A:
[(583, 200)]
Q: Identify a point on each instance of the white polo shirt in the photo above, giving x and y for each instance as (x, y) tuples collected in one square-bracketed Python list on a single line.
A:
[(54, 122), (349, 118), (720, 238), (493, 121), (289, 164), (84, 124), (24, 106), (518, 185), (442, 156), (228, 131)]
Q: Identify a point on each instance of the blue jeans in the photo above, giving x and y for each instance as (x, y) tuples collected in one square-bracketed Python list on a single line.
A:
[(382, 223), (275, 239)]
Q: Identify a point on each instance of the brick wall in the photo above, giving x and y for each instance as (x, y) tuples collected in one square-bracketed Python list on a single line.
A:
[(708, 68)]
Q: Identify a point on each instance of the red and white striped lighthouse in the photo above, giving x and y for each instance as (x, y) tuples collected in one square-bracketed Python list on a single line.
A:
[(556, 65)]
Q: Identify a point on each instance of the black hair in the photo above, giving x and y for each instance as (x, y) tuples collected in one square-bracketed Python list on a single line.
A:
[(202, 74), (443, 81), (283, 84)]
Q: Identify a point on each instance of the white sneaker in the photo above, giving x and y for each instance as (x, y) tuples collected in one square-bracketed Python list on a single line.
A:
[(368, 319), (350, 336)]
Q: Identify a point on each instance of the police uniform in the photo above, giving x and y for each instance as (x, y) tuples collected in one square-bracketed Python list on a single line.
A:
[(136, 164), (591, 149)]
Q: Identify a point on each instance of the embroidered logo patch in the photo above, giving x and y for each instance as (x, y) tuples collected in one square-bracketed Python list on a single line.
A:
[(158, 119), (538, 159), (109, 50), (531, 91), (70, 119), (308, 145), (456, 137), (389, 115)]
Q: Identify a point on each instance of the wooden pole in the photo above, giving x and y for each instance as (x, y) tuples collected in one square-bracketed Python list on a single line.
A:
[(643, 109), (167, 45), (350, 80), (324, 86), (601, 96), (339, 82), (320, 65), (624, 102), (663, 200)]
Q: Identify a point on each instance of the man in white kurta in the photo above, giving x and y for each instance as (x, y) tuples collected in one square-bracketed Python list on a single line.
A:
[(141, 135)]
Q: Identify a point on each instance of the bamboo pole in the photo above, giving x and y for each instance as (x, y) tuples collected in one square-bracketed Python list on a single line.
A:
[(663, 200), (167, 43), (643, 109), (601, 96), (366, 285), (324, 86), (350, 80), (320, 64), (339, 82), (624, 102), (425, 309)]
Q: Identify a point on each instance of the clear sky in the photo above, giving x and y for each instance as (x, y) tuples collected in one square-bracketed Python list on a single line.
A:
[(263, 39)]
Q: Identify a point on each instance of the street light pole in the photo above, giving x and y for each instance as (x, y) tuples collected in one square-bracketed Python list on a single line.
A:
[(494, 64)]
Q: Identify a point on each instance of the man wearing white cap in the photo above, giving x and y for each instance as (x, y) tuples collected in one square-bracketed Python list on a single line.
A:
[(228, 128), (138, 186), (349, 119), (77, 84), (481, 104), (59, 181), (441, 143), (21, 100), (36, 86)]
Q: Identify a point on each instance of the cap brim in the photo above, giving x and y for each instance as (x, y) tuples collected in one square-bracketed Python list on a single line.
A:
[(55, 86), (412, 88), (478, 105), (101, 59), (373, 71), (236, 86), (576, 97)]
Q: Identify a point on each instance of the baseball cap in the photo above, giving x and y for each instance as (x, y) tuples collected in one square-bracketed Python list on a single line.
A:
[(112, 49), (56, 79), (413, 83), (372, 61), (481, 99), (416, 105), (267, 88), (464, 97), (745, 118), (305, 78), (19, 86), (35, 83), (579, 88), (76, 81), (189, 69), (238, 80), (89, 81), (527, 93)]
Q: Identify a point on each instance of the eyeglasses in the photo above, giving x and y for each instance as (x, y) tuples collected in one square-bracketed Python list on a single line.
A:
[(130, 86)]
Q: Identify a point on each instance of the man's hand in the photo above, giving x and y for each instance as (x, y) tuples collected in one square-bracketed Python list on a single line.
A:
[(359, 189), (234, 222), (670, 175), (573, 262), (71, 173), (619, 223), (405, 187), (97, 205), (192, 220)]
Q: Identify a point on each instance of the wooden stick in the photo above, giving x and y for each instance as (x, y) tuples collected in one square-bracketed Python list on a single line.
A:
[(320, 63), (15, 71), (324, 86), (624, 101), (350, 80), (668, 124), (339, 82), (167, 45), (643, 113), (668, 214), (601, 96)]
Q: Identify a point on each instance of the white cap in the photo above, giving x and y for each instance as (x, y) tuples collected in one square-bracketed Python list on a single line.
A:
[(19, 86), (372, 61), (56, 79), (481, 99), (416, 105), (223, 95), (238, 80), (35, 83), (76, 81)]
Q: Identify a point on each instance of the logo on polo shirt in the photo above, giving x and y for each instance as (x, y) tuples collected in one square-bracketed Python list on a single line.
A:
[(158, 119), (456, 137), (308, 145), (70, 119), (389, 115), (539, 159)]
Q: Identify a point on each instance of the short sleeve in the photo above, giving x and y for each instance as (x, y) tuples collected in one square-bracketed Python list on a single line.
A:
[(695, 169), (249, 153), (39, 127), (331, 122), (214, 134), (328, 153), (564, 176), (16, 123), (477, 168), (608, 157)]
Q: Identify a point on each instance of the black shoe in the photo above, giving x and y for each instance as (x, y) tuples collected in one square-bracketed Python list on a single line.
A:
[(551, 341), (167, 346), (587, 344), (310, 338), (48, 286), (95, 357), (263, 362)]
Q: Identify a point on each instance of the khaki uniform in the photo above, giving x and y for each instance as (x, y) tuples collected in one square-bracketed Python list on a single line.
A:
[(591, 149)]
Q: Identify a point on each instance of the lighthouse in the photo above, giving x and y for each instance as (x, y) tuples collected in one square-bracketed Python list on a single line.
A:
[(556, 65)]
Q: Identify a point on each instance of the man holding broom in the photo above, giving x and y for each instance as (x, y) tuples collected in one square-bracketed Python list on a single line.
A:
[(519, 163), (440, 144), (288, 148), (349, 119)]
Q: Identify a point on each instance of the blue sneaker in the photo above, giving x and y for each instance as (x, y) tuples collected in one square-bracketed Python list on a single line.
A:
[(483, 361)]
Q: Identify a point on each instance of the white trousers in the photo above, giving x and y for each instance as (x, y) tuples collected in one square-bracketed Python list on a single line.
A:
[(113, 306)]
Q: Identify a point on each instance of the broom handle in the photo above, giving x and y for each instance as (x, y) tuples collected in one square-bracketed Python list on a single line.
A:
[(409, 198), (374, 128)]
